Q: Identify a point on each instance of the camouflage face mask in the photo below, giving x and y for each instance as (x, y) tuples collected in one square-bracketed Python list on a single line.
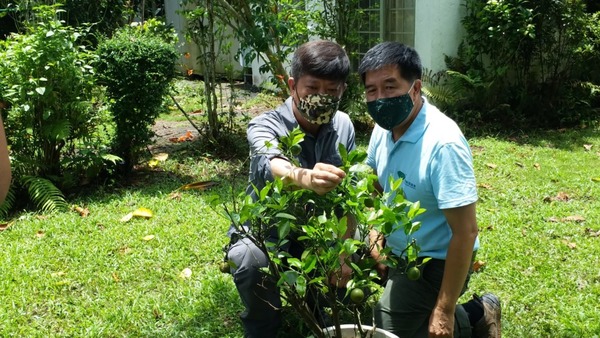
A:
[(318, 108)]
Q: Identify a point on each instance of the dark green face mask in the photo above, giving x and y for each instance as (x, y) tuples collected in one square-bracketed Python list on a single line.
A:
[(391, 111)]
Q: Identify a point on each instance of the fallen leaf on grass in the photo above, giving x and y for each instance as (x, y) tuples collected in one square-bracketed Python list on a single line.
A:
[(175, 195), (157, 314), (40, 234), (571, 245), (83, 212), (587, 147), (185, 273), (537, 166), (574, 218), (592, 233), (157, 159), (58, 274), (187, 137), (477, 265), (124, 250), (198, 185), (491, 165), (140, 212), (148, 238), (4, 226), (485, 186), (560, 197), (116, 277), (127, 217)]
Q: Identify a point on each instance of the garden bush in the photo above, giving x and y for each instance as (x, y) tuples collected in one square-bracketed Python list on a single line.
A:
[(46, 87), (136, 67), (525, 64)]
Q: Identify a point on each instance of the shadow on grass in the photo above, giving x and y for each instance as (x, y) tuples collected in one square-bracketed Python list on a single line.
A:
[(217, 313), (564, 139), (223, 161)]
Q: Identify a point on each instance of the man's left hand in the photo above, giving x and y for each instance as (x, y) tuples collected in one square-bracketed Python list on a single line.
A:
[(441, 324)]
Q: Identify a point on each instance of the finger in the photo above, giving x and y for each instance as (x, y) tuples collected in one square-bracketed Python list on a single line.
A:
[(331, 169)]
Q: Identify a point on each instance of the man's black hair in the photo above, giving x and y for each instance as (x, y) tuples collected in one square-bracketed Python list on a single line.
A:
[(322, 59), (392, 53)]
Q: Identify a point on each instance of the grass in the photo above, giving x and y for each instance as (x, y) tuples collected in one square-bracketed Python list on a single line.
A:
[(68, 275)]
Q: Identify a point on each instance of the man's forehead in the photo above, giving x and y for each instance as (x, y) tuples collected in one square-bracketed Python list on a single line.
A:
[(309, 79)]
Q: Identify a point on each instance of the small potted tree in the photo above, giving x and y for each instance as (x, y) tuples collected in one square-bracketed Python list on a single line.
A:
[(319, 223)]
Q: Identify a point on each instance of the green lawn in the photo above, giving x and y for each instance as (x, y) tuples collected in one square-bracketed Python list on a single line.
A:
[(95, 276)]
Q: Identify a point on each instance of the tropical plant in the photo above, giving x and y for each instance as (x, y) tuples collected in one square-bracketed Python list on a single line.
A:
[(46, 87), (527, 60), (137, 68), (319, 224)]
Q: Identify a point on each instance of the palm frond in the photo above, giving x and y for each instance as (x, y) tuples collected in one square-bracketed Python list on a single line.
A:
[(58, 130), (9, 202), (44, 194), (440, 94)]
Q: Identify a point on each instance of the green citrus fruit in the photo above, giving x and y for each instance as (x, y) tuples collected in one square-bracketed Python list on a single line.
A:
[(296, 149), (224, 267), (357, 295), (369, 203), (413, 273)]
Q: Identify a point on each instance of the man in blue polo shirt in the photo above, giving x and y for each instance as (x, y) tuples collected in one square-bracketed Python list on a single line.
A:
[(319, 73), (414, 141)]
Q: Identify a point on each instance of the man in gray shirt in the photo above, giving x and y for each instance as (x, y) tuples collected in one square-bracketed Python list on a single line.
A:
[(317, 82)]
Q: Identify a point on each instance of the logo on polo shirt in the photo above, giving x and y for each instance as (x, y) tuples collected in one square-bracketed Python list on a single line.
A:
[(404, 181)]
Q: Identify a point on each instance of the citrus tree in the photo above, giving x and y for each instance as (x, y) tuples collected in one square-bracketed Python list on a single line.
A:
[(319, 222)]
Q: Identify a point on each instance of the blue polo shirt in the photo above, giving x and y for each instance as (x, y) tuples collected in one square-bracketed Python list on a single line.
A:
[(435, 162)]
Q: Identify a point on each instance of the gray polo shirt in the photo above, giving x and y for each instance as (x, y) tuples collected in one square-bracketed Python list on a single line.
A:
[(272, 125)]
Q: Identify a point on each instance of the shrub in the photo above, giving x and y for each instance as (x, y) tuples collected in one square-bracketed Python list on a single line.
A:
[(46, 84), (524, 64), (136, 68)]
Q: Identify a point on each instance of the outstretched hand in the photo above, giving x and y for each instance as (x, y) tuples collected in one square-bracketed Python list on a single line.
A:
[(325, 177)]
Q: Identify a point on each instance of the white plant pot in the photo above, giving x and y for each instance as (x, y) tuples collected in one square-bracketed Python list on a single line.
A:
[(351, 331)]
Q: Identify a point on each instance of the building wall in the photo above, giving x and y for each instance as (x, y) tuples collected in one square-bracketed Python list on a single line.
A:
[(189, 50), (438, 31)]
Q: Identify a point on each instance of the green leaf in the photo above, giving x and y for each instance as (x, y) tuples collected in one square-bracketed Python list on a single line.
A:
[(286, 216), (342, 227), (309, 263), (343, 153), (290, 277), (294, 262), (283, 229), (45, 194), (301, 285)]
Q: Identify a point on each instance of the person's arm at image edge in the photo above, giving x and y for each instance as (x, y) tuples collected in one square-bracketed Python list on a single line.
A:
[(462, 221), (5, 175)]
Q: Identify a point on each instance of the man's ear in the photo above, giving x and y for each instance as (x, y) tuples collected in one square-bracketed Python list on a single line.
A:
[(291, 84), (417, 87), (344, 87)]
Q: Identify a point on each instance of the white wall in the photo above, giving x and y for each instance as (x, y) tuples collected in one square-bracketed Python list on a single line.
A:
[(173, 17), (438, 30)]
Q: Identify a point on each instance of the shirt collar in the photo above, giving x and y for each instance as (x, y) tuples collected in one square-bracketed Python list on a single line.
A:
[(417, 128)]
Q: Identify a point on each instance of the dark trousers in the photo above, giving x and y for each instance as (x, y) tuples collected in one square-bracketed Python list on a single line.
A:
[(406, 305)]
